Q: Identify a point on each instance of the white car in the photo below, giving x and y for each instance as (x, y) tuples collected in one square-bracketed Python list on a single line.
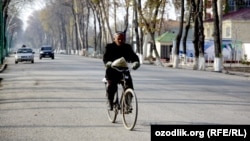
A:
[(24, 54)]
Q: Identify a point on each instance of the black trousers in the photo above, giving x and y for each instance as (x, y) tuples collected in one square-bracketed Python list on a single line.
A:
[(113, 79)]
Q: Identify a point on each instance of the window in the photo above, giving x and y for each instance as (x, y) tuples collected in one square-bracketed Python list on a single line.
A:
[(46, 48), (231, 2), (24, 51)]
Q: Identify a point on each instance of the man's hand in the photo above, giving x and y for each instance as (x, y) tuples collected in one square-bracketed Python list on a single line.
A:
[(136, 65), (108, 64)]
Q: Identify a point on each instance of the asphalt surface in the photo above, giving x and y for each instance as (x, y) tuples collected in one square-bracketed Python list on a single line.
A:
[(63, 99), (243, 74)]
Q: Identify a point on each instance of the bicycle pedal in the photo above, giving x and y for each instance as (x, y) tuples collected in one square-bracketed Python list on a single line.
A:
[(127, 112)]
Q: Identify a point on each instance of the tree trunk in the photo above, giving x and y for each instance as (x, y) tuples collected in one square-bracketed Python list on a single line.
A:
[(162, 17), (202, 63), (136, 26), (64, 33), (103, 31), (150, 27), (178, 37), (95, 33), (115, 15), (184, 42), (95, 27), (196, 33), (217, 40), (75, 13), (106, 18)]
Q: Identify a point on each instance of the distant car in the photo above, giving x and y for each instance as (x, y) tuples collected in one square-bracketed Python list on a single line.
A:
[(46, 52), (24, 54)]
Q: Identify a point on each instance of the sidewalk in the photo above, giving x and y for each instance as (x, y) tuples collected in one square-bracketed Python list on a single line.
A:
[(3, 67), (227, 68), (5, 63)]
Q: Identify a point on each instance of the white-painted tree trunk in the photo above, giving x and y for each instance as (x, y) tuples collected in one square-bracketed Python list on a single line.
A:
[(195, 66), (202, 63), (217, 64), (145, 46), (184, 61), (158, 62), (140, 58), (175, 61)]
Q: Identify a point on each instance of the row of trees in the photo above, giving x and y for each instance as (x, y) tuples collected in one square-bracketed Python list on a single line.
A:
[(11, 24), (76, 24), (196, 13)]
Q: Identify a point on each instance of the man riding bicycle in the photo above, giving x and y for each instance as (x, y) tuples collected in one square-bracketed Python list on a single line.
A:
[(114, 51)]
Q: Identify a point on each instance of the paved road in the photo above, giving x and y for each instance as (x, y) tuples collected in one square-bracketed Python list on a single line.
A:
[(63, 100)]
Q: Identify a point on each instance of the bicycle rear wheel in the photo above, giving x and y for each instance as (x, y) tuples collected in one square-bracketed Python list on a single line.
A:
[(113, 114), (129, 109)]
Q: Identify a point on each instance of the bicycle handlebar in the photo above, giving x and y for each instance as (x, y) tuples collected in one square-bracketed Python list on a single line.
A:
[(121, 69)]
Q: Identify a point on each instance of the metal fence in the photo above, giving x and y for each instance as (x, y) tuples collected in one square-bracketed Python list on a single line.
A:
[(2, 54)]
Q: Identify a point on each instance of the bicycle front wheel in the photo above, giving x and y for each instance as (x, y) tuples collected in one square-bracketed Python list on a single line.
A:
[(129, 109)]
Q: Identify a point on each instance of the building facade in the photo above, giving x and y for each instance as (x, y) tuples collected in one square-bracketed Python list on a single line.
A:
[(235, 28)]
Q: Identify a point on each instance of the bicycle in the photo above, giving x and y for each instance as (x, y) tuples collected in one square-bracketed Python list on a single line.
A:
[(127, 105)]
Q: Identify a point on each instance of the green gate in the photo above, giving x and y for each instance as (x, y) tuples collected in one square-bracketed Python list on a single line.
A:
[(1, 33)]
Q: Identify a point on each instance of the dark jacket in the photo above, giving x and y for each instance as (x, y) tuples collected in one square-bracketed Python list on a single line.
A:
[(113, 52)]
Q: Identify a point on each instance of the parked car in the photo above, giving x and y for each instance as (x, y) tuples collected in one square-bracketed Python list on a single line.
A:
[(24, 54), (46, 52)]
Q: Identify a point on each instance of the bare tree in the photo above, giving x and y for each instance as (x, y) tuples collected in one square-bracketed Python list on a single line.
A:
[(217, 39), (6, 19), (187, 27), (201, 38), (150, 21), (104, 8), (136, 27), (178, 37), (35, 30), (74, 8), (195, 5), (92, 7), (97, 20)]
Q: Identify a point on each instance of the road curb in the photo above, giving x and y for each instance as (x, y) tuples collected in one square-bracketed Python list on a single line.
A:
[(4, 66)]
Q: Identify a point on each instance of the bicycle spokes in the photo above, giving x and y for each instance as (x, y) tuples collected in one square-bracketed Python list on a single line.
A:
[(127, 106), (113, 114), (130, 109)]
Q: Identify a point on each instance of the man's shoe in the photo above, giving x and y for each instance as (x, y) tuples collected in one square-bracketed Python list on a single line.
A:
[(110, 106)]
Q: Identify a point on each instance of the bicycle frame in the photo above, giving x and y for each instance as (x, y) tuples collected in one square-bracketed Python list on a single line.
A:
[(122, 82), (124, 104)]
